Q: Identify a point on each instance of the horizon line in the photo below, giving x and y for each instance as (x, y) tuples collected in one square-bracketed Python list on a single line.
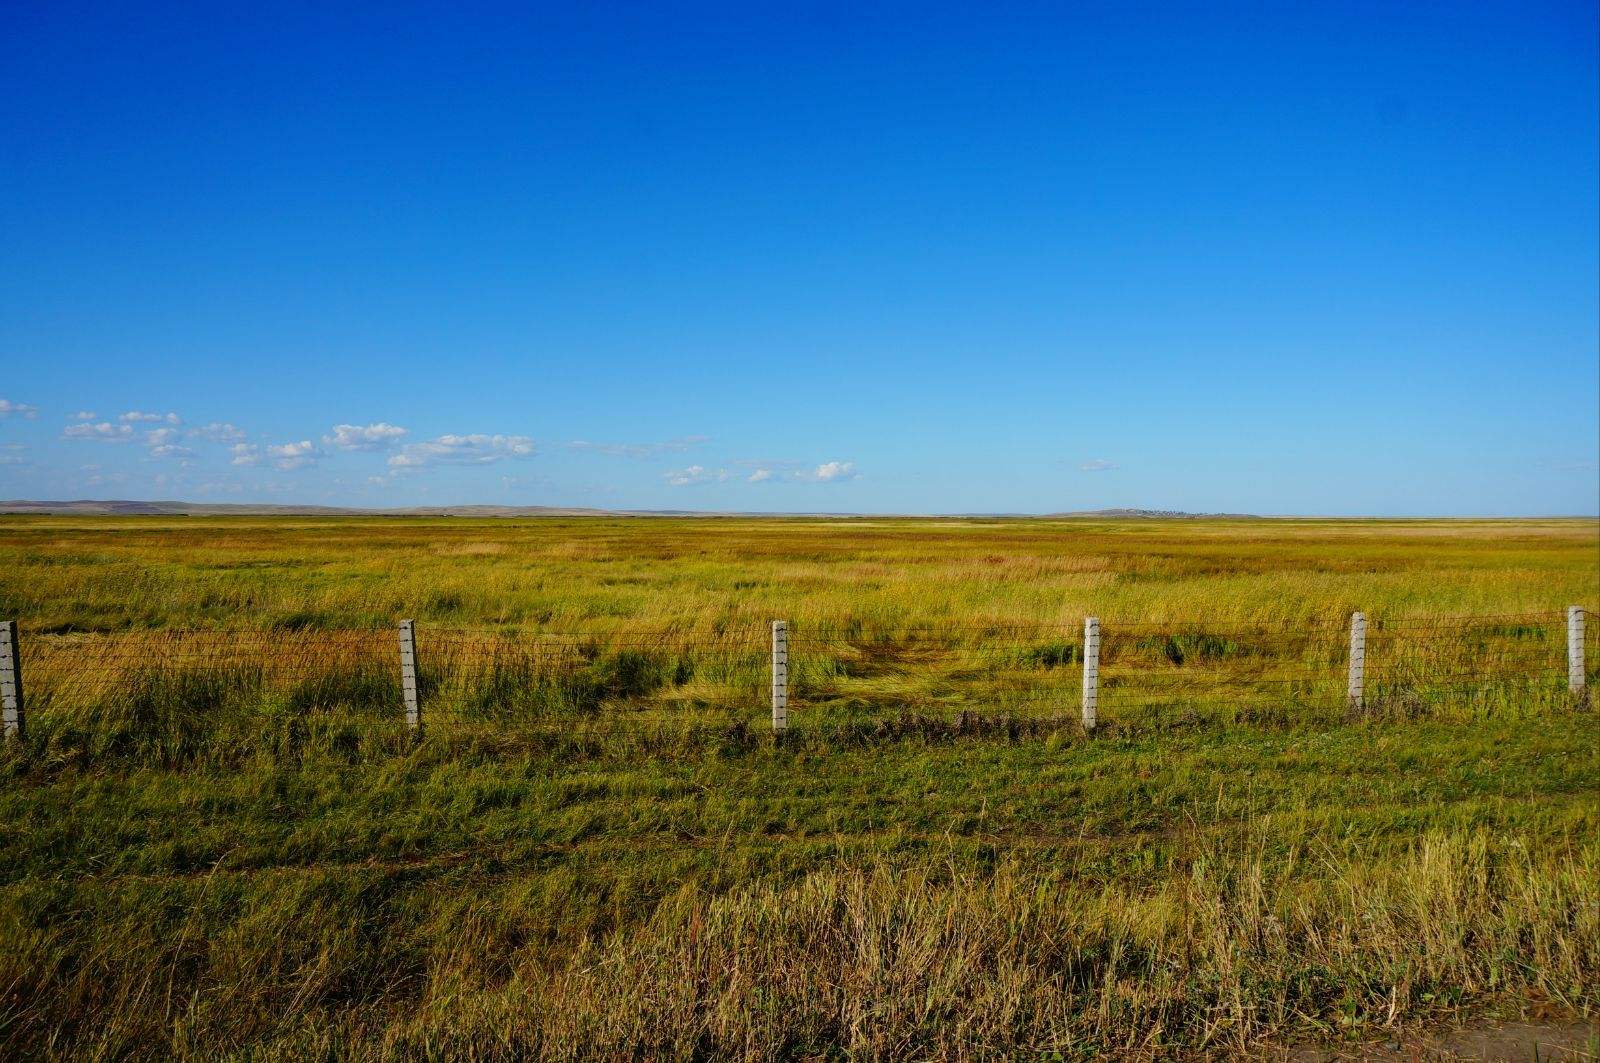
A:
[(486, 510)]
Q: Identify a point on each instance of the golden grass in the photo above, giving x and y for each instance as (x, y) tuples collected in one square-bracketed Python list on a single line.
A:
[(220, 843), (696, 576)]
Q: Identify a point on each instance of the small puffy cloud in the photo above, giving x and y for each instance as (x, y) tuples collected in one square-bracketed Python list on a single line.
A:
[(1098, 465), (104, 431), (766, 470), (288, 456), (163, 443), (695, 474), (217, 432), (639, 450), (285, 456), (828, 472), (137, 417), (378, 436), (17, 409), (476, 449), (84, 415)]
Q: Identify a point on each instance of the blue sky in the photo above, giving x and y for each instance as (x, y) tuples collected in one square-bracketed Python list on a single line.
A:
[(1283, 258)]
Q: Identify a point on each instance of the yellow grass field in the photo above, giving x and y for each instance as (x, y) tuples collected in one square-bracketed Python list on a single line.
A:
[(220, 839)]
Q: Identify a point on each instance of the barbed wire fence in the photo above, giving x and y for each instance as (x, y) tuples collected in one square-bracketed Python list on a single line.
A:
[(120, 691)]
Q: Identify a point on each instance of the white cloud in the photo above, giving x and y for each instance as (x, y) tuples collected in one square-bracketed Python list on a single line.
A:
[(102, 430), (284, 456), (695, 474), (474, 449), (136, 417), (162, 443), (288, 456), (85, 415), (771, 470), (1098, 465), (378, 436), (217, 432), (828, 472), (19, 409), (639, 450)]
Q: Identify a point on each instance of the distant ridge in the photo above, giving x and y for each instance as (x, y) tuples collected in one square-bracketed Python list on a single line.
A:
[(129, 508), (1157, 514), (132, 508)]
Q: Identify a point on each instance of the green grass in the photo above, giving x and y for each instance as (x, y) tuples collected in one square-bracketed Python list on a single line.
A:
[(72, 574), (598, 850)]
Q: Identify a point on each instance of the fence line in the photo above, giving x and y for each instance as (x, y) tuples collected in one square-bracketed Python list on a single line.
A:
[(845, 674)]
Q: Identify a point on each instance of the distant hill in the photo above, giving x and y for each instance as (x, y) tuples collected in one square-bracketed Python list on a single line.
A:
[(126, 508), (1157, 514), (131, 508)]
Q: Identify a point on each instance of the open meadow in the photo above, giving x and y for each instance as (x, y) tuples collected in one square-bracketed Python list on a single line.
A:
[(219, 837)]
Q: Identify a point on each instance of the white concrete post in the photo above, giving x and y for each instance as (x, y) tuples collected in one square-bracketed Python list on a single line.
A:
[(1091, 671), (1358, 660), (11, 680), (408, 674), (1575, 648), (780, 675)]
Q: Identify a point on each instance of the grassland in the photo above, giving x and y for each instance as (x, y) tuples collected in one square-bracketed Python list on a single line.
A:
[(595, 851)]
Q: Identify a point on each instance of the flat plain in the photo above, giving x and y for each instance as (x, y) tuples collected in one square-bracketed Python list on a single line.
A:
[(219, 838)]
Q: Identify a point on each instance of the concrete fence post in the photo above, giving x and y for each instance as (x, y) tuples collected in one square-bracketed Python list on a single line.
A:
[(11, 680), (408, 674), (1091, 672), (780, 675), (1575, 677), (1358, 661)]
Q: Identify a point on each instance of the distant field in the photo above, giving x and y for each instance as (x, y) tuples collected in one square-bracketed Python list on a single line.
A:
[(104, 574), (217, 836)]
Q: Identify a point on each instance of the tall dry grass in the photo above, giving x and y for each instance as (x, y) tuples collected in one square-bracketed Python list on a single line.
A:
[(1244, 946)]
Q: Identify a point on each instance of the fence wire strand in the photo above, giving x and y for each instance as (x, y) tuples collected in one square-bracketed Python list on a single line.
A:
[(678, 679)]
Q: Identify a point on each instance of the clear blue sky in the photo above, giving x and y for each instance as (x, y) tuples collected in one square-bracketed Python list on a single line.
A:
[(1282, 258)]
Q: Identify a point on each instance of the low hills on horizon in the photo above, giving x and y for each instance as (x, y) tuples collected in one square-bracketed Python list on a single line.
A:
[(137, 508)]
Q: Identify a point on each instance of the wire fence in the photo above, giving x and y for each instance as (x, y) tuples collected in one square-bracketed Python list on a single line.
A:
[(858, 676)]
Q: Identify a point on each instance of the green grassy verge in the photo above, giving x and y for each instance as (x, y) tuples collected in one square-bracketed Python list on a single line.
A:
[(1198, 887)]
